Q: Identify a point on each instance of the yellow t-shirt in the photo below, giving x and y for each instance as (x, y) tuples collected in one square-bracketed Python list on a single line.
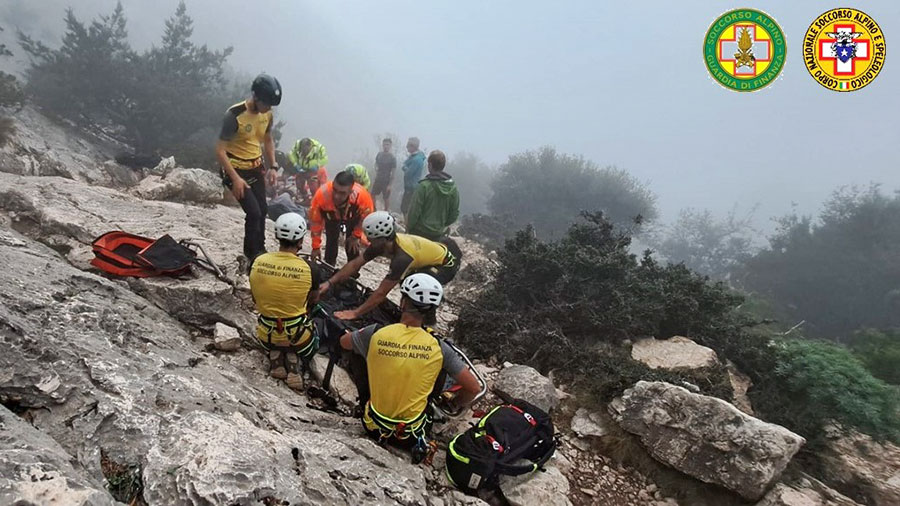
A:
[(415, 253), (244, 132), (281, 283), (404, 363)]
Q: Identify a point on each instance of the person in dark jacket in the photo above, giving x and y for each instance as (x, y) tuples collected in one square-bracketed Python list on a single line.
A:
[(435, 204)]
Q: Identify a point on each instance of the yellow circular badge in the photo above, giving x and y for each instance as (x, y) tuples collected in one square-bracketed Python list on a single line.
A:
[(844, 49)]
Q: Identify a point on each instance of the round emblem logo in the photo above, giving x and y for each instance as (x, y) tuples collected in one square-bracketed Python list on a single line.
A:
[(844, 49), (744, 49)]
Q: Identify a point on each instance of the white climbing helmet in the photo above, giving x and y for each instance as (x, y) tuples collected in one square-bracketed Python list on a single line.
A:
[(290, 227), (423, 289), (379, 224)]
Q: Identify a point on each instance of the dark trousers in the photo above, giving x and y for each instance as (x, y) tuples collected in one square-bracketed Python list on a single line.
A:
[(255, 209), (445, 273), (333, 235)]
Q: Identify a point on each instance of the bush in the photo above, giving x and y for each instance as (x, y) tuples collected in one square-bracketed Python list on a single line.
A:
[(550, 191), (7, 129), (815, 382), (879, 351), (553, 304), (568, 306), (840, 272)]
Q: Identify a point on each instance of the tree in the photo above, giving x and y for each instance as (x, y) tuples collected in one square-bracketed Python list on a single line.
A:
[(167, 100), (10, 95), (708, 245), (838, 273), (188, 79), (549, 190), (87, 79)]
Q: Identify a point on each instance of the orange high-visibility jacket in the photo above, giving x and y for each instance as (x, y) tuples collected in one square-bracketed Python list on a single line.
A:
[(358, 206)]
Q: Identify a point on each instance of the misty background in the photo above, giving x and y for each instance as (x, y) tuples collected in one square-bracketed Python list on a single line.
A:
[(622, 84)]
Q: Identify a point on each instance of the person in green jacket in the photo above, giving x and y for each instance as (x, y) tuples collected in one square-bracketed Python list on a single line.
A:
[(308, 159), (360, 175), (435, 203)]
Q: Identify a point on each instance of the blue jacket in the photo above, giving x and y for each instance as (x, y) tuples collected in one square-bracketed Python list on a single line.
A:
[(412, 170)]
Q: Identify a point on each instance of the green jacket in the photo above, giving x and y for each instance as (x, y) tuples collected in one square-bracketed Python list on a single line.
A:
[(434, 206), (317, 157)]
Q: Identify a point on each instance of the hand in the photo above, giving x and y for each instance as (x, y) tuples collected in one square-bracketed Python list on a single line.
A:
[(352, 246), (238, 187), (323, 288), (314, 255), (350, 314), (272, 176)]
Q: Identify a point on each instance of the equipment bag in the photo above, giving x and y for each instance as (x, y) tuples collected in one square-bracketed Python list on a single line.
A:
[(496, 445), (125, 254)]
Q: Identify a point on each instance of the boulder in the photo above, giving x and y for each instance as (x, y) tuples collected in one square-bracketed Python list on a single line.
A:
[(857, 463), (706, 437), (677, 353), (34, 469), (341, 385), (588, 423), (546, 488), (805, 491), (226, 338), (523, 382), (164, 166), (182, 185)]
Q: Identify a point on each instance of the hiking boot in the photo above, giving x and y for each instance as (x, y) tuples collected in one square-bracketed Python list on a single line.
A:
[(276, 367), (294, 381)]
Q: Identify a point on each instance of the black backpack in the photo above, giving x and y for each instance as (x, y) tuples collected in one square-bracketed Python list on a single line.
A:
[(495, 445)]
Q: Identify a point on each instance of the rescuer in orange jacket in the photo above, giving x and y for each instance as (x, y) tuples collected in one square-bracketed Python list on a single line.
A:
[(339, 206)]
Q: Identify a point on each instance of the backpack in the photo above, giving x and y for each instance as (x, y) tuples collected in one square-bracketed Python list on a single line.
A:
[(125, 254), (496, 444)]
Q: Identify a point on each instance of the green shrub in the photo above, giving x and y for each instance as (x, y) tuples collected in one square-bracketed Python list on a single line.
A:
[(879, 351), (815, 382), (568, 306)]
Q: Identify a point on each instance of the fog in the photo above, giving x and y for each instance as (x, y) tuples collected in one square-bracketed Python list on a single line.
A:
[(621, 83)]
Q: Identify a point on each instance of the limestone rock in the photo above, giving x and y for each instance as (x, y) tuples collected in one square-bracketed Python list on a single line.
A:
[(523, 382), (546, 488), (164, 166), (182, 185), (805, 491), (705, 437), (41, 147), (34, 469), (341, 383), (134, 385), (586, 423), (210, 459), (677, 353), (226, 338), (862, 464), (68, 215)]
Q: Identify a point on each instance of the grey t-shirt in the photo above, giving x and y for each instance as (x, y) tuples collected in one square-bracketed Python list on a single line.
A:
[(385, 163), (453, 363)]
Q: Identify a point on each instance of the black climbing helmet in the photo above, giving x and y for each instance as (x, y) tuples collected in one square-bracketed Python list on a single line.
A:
[(266, 89)]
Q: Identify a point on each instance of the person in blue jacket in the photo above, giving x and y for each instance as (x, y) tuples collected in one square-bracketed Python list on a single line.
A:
[(413, 168)]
